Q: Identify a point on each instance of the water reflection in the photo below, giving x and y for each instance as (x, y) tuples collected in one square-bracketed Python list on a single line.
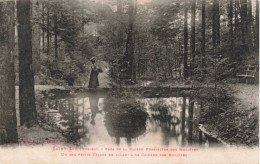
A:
[(167, 119), (183, 121), (93, 101), (124, 119), (93, 120), (191, 107)]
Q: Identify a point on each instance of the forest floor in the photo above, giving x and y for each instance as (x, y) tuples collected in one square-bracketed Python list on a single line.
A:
[(36, 135), (238, 125)]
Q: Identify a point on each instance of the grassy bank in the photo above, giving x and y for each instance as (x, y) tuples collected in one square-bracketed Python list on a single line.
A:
[(238, 123)]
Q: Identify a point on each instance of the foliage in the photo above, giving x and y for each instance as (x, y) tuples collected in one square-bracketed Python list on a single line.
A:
[(66, 22), (87, 28)]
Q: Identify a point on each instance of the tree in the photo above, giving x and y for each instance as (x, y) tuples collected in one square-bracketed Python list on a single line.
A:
[(120, 31), (236, 27), (129, 63), (216, 23), (230, 24), (26, 76), (56, 32), (244, 21), (48, 27), (257, 26), (186, 43), (203, 31), (249, 24), (43, 23), (8, 122), (192, 38)]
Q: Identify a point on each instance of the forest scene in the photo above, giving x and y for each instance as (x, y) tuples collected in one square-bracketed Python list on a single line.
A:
[(123, 72)]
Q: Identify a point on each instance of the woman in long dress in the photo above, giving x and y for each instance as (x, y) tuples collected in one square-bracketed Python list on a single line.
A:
[(93, 80)]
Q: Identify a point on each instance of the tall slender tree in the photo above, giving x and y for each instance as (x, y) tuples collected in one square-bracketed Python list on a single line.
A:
[(185, 43), (257, 26), (203, 31), (43, 24), (26, 75), (230, 24), (120, 30), (193, 35), (215, 23), (236, 26), (243, 14), (249, 24), (48, 27), (55, 32), (8, 122), (129, 52)]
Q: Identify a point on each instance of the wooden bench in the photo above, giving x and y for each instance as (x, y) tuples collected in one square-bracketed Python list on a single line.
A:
[(249, 73)]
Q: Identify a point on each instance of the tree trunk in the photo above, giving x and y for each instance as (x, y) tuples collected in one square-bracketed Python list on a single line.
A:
[(8, 122), (236, 30), (120, 28), (43, 24), (26, 77), (243, 14), (257, 26), (203, 31), (249, 24), (192, 39), (48, 27), (129, 52), (216, 24), (169, 60), (230, 24), (55, 35), (186, 43)]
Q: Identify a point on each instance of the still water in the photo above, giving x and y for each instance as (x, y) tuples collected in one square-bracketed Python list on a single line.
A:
[(95, 119)]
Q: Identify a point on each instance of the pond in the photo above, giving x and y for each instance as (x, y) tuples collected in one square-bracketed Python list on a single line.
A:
[(127, 120)]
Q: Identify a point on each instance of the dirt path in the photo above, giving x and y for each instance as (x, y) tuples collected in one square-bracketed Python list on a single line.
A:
[(247, 96), (239, 124)]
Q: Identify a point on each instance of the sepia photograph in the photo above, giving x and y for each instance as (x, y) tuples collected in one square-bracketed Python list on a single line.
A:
[(129, 81)]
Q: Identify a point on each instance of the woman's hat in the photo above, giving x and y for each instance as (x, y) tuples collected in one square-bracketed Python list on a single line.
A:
[(92, 59)]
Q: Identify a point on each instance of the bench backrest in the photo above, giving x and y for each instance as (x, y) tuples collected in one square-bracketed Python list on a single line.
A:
[(251, 70)]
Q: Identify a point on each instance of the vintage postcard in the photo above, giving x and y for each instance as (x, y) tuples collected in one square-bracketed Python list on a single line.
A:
[(129, 81)]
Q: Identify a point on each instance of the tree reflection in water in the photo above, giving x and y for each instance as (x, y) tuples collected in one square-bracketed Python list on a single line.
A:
[(177, 118), (124, 119), (183, 121), (173, 121), (69, 118), (191, 107), (164, 115)]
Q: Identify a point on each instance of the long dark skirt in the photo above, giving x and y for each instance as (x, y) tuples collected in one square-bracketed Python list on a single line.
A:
[(93, 80)]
